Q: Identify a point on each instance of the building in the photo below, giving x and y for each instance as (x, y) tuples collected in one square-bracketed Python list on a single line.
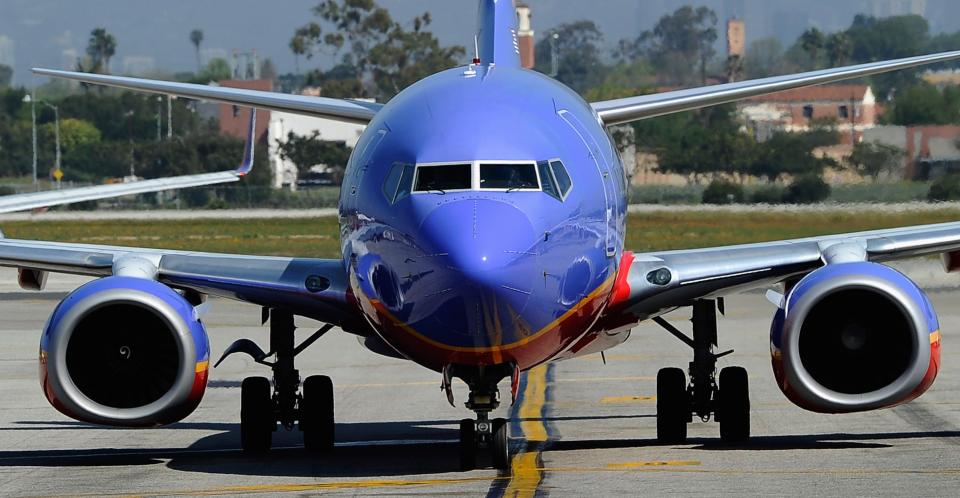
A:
[(929, 151), (852, 107), (525, 36), (281, 124), (235, 120), (736, 37), (887, 8)]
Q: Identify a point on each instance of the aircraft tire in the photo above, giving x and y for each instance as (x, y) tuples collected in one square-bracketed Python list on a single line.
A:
[(316, 413), (734, 405), (501, 444), (468, 445), (673, 410), (257, 422)]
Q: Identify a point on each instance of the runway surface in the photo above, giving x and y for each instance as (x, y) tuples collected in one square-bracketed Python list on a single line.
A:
[(581, 427)]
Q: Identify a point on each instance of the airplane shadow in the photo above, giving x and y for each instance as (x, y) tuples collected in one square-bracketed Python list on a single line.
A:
[(363, 450), (377, 449)]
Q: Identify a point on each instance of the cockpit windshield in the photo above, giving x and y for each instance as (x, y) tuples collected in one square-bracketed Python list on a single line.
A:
[(444, 177), (513, 176)]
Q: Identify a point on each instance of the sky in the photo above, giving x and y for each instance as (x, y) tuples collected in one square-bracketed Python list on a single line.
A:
[(154, 35)]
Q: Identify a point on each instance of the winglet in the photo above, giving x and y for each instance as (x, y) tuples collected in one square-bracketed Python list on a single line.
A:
[(246, 166)]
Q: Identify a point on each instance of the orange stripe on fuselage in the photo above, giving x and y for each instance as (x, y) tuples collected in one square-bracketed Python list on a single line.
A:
[(600, 290)]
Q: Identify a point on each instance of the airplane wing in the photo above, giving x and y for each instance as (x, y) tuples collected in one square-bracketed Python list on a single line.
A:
[(316, 288), (48, 198), (652, 283), (350, 111), (620, 111)]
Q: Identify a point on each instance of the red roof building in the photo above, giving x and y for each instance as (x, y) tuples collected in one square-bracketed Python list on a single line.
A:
[(853, 107)]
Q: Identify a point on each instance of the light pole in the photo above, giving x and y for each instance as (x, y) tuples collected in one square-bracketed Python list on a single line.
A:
[(159, 118), (33, 115), (57, 172), (554, 55)]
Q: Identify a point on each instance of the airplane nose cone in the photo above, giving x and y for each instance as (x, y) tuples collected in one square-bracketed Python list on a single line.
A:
[(479, 237), (485, 251)]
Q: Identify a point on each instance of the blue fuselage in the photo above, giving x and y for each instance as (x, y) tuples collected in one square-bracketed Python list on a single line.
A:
[(476, 275)]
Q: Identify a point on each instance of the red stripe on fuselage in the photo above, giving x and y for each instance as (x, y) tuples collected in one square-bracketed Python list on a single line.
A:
[(526, 353)]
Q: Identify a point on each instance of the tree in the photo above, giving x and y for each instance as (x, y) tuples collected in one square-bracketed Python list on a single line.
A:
[(6, 75), (872, 159), (812, 41), (73, 133), (578, 54), (839, 48), (268, 70), (924, 104), (101, 48), (378, 54), (196, 38), (307, 151), (217, 69), (763, 58), (678, 43)]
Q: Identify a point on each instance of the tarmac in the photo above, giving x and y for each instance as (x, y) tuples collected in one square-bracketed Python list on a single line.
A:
[(581, 427)]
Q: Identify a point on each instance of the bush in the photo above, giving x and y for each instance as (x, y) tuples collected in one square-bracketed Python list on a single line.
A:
[(807, 190), (772, 194), (946, 188), (723, 192)]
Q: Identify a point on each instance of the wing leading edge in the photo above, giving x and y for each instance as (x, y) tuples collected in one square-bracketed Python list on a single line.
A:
[(704, 273), (321, 107), (620, 111)]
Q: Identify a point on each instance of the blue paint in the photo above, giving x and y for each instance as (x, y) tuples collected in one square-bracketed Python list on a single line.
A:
[(483, 268), (497, 33)]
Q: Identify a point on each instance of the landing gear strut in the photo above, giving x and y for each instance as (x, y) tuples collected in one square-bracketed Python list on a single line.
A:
[(483, 433), (677, 401), (311, 408)]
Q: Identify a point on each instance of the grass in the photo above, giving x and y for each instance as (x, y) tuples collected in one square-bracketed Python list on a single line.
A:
[(319, 237)]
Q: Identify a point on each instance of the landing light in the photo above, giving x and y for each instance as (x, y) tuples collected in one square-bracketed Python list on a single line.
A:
[(663, 276)]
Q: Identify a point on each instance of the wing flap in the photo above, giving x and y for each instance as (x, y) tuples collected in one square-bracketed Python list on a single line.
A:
[(620, 111)]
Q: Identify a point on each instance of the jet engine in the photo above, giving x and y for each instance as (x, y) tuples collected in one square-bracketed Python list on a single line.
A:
[(853, 337), (124, 351)]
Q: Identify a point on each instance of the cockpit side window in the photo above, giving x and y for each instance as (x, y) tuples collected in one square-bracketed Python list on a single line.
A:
[(546, 179), (444, 177), (398, 182), (512, 176), (564, 184)]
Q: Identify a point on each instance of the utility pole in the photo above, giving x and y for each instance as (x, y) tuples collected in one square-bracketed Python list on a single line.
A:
[(28, 98)]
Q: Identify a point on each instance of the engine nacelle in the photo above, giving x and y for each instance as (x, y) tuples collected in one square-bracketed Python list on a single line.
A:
[(126, 352), (854, 337)]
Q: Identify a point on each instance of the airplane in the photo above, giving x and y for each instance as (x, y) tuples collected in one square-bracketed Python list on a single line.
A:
[(482, 220)]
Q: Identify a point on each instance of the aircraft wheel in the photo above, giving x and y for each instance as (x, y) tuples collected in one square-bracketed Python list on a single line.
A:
[(257, 422), (734, 405), (500, 445), (468, 444), (673, 410), (316, 413)]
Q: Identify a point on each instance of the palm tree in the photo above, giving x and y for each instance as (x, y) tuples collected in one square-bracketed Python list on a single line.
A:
[(812, 42), (196, 38), (101, 47), (839, 49)]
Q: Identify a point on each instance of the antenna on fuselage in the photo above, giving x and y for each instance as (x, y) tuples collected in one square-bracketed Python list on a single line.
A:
[(476, 50)]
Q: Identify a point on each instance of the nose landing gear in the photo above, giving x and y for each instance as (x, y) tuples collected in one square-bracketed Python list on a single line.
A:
[(490, 435), (727, 401), (310, 408)]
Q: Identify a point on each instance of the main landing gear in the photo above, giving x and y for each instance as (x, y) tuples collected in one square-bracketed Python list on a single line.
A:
[(483, 433), (311, 408), (728, 400)]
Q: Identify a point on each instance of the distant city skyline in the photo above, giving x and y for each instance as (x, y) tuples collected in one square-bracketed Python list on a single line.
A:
[(154, 37)]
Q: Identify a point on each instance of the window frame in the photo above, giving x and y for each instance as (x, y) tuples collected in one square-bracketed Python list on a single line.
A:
[(475, 176), (563, 195)]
